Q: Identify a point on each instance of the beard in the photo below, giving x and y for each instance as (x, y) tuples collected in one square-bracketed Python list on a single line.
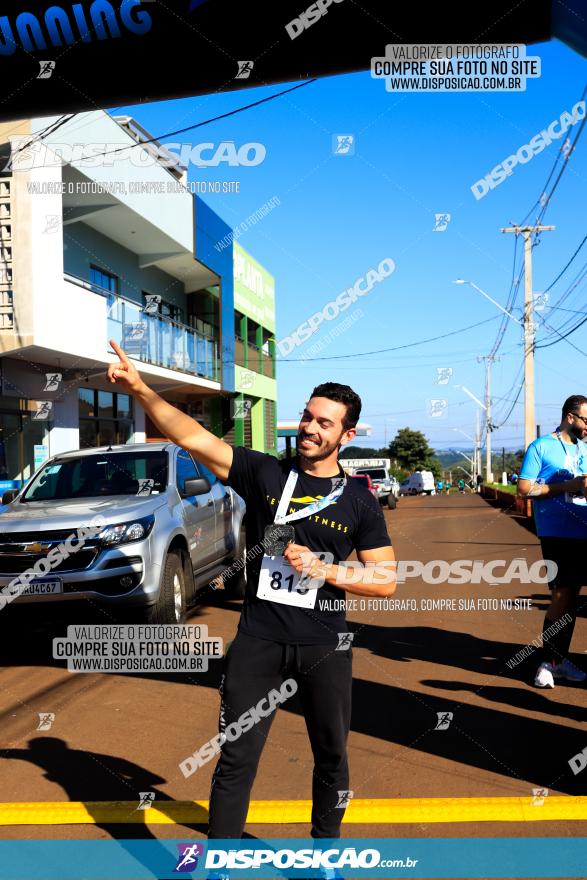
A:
[(576, 431), (317, 453)]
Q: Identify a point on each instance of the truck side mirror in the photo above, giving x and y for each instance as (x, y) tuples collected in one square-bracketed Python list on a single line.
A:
[(9, 495)]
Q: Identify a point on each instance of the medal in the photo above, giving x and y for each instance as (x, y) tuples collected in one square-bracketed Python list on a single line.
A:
[(276, 538)]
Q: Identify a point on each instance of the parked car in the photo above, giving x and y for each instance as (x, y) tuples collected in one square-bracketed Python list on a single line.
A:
[(171, 528), (366, 481), (386, 486), (418, 483)]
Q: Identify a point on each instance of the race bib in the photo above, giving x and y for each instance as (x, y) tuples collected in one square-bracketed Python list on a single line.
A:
[(280, 582)]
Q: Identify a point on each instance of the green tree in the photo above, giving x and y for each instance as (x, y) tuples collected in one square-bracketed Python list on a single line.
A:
[(411, 451), (363, 452)]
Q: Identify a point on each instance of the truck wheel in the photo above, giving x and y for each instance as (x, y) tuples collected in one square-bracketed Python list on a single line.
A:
[(235, 584), (391, 501), (170, 607)]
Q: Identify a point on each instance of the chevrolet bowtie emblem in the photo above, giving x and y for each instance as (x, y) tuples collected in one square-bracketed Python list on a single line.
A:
[(36, 547)]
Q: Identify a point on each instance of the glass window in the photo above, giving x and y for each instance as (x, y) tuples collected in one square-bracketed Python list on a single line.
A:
[(125, 432), (105, 403), (106, 433), (167, 309), (86, 402), (88, 434), (123, 409), (212, 478), (91, 476), (185, 470), (103, 279)]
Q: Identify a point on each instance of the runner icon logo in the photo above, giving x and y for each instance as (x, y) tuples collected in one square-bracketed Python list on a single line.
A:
[(146, 799), (344, 799), (46, 719), (187, 860), (538, 795), (444, 719)]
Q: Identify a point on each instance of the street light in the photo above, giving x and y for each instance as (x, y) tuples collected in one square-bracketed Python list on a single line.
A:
[(490, 298), (477, 451), (488, 361)]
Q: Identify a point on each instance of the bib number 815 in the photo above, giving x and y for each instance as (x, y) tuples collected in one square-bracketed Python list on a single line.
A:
[(277, 583)]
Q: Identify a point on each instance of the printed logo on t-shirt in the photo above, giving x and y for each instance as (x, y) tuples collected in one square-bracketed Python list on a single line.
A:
[(319, 518)]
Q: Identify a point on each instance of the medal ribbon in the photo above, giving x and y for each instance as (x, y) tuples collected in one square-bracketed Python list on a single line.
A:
[(314, 507)]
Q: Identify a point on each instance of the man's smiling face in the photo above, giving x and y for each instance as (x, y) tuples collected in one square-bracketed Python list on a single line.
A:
[(321, 430)]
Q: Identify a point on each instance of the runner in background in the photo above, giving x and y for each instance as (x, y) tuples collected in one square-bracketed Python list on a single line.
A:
[(554, 475)]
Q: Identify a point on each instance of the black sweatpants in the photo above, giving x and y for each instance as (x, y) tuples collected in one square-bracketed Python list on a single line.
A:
[(253, 667)]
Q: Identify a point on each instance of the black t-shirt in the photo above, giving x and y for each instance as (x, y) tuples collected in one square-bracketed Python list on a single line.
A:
[(354, 521)]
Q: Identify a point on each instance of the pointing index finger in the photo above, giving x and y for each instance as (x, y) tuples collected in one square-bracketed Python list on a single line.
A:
[(119, 351)]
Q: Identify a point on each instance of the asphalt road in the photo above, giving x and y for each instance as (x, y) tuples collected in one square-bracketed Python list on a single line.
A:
[(116, 735)]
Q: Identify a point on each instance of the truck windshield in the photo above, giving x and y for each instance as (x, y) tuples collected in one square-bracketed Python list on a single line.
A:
[(374, 473), (105, 473)]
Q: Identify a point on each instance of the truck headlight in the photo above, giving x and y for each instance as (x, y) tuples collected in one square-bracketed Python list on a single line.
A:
[(123, 533)]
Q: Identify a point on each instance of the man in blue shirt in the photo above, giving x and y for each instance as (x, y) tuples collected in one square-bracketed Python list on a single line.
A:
[(554, 475)]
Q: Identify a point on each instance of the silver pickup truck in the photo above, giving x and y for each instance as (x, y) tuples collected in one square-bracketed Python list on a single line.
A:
[(168, 527)]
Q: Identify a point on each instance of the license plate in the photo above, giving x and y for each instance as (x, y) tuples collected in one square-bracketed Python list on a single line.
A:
[(43, 587)]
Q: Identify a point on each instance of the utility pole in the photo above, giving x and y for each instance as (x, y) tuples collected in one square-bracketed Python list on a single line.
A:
[(489, 359), (477, 445), (529, 395)]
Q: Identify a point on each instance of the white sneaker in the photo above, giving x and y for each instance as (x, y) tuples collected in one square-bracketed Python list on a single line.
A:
[(544, 676), (566, 669)]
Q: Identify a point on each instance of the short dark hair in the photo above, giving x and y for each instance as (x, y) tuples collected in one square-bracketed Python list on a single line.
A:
[(341, 394), (572, 403)]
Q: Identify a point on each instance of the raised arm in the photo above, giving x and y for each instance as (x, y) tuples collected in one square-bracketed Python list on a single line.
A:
[(213, 452)]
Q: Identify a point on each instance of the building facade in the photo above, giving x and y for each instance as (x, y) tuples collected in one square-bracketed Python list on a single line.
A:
[(108, 247)]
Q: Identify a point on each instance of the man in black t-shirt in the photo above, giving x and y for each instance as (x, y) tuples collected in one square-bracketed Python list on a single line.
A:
[(292, 634)]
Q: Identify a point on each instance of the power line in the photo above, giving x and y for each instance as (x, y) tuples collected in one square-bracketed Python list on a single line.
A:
[(49, 129), (383, 350), (562, 272), (208, 121), (564, 336)]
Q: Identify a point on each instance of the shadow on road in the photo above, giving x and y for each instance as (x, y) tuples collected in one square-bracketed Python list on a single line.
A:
[(510, 745), (94, 777), (529, 700)]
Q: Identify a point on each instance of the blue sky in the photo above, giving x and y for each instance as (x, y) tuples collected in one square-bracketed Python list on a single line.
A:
[(416, 154)]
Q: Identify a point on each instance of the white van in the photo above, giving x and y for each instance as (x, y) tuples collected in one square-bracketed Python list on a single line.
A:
[(420, 482)]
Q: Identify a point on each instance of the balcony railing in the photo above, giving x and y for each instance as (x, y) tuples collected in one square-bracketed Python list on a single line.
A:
[(256, 359), (154, 338)]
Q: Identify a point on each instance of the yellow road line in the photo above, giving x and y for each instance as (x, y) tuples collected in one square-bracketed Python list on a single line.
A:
[(360, 811)]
